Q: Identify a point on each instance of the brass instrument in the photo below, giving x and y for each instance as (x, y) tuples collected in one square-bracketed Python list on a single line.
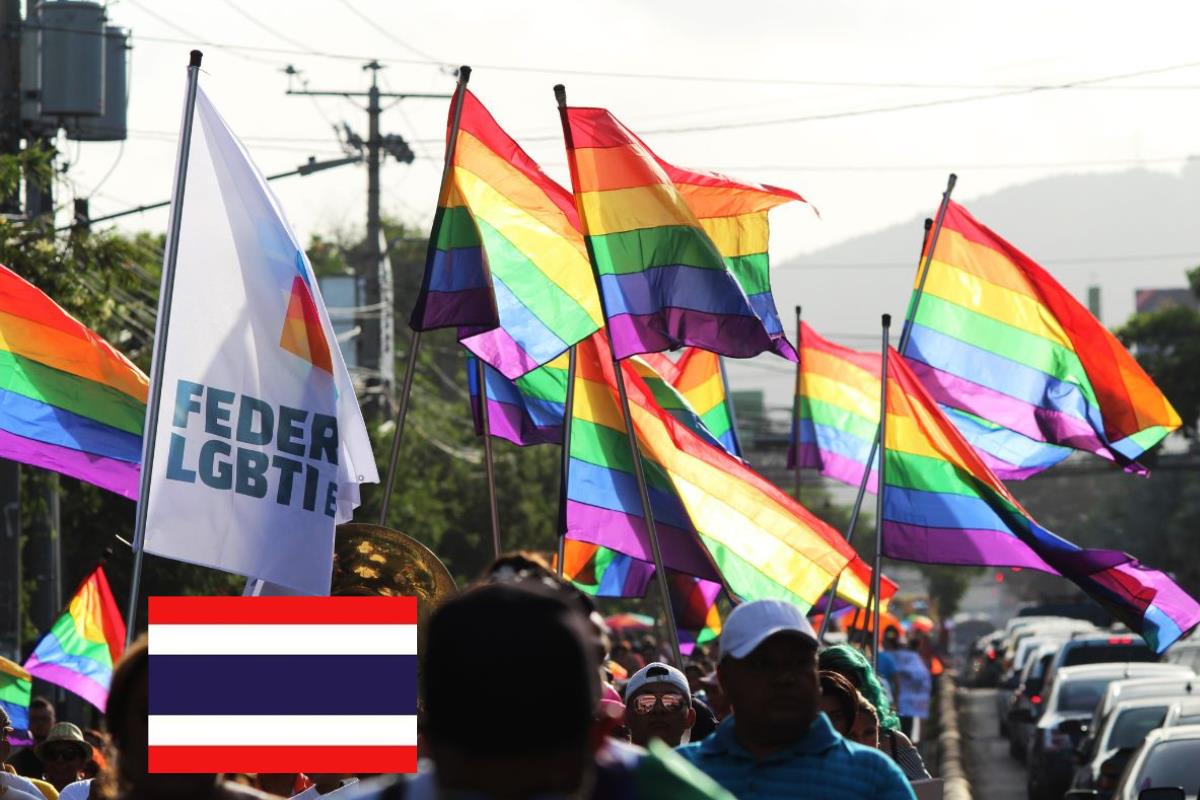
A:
[(378, 561)]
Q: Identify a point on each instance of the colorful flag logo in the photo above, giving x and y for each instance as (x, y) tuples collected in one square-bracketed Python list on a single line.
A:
[(283, 684), (302, 331)]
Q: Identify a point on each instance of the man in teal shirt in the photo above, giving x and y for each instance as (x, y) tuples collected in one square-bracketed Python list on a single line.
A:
[(777, 744)]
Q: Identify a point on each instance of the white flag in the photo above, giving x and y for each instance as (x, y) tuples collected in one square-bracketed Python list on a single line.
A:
[(260, 446)]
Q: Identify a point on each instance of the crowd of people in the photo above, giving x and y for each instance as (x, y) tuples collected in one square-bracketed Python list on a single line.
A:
[(524, 695)]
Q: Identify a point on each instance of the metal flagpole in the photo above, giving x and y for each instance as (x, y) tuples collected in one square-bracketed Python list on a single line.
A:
[(923, 265), (881, 489), (660, 572), (796, 421), (161, 329), (568, 416), (389, 483), (489, 464), (911, 317)]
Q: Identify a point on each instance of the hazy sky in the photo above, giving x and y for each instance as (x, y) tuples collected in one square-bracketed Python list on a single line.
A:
[(740, 87)]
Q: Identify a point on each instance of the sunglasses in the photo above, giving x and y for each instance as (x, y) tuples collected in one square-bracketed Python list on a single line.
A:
[(645, 703), (61, 754)]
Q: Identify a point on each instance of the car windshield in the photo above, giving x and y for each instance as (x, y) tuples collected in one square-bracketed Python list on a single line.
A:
[(1106, 653), (1082, 695), (1132, 725), (1171, 764)]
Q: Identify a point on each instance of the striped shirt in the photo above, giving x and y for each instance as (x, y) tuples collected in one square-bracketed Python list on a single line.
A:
[(823, 765)]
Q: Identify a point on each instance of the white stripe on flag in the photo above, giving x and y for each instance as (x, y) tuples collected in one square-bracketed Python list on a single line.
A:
[(294, 730), (283, 640)]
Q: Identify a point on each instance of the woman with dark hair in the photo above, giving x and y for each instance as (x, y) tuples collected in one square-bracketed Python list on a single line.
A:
[(854, 666), (839, 701)]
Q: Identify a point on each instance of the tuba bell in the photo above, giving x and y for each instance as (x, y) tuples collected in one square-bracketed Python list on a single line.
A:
[(378, 561)]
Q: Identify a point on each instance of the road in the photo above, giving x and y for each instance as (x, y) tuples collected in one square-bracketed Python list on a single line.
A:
[(994, 775)]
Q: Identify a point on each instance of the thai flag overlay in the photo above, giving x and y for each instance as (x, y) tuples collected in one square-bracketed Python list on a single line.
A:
[(283, 684)]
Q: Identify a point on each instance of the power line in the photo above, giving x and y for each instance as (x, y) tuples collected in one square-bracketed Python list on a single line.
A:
[(263, 26), (389, 35), (193, 37)]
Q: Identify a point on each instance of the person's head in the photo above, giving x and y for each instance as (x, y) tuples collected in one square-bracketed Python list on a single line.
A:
[(41, 718), (865, 730), (853, 665), (63, 752), (768, 671), (127, 712), (99, 758), (891, 638), (520, 646), (658, 705), (694, 672), (839, 701)]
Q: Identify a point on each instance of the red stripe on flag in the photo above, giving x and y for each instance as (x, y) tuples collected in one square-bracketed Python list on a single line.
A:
[(313, 759), (283, 611)]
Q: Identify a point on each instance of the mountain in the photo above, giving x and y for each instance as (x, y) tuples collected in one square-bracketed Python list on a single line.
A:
[(1120, 231)]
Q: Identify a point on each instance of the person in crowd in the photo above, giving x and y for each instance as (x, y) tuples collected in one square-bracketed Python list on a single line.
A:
[(12, 785), (127, 712), (914, 686), (694, 672), (839, 701), (524, 645), (64, 753), (706, 720), (777, 744), (100, 747), (624, 655), (854, 666), (714, 697), (41, 720), (327, 784), (658, 705), (865, 729)]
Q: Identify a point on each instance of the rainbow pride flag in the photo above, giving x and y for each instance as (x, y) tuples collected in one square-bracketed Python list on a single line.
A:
[(81, 648), (835, 414), (529, 410), (944, 505), (16, 690), (734, 215), (507, 262), (525, 411), (602, 572), (69, 401), (764, 542), (663, 281), (1031, 372), (698, 377), (303, 332)]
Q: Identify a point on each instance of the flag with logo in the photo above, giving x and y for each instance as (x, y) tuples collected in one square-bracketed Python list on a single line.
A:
[(283, 684), (260, 446)]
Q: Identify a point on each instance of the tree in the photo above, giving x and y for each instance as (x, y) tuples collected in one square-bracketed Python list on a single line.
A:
[(1167, 344)]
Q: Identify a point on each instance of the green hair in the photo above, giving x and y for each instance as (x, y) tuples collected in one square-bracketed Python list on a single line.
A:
[(844, 659)]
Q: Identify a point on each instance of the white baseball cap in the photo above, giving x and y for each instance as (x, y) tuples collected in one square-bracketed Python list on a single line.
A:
[(750, 624), (656, 672)]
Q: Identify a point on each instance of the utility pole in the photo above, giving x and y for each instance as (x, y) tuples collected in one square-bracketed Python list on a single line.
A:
[(375, 316)]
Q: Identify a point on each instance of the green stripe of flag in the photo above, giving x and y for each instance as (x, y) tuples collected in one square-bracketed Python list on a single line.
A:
[(752, 272), (1005, 340), (637, 251), (457, 228), (71, 393)]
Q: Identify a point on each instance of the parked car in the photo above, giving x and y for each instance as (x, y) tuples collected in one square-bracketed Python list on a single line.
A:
[(1010, 688), (1186, 652), (1183, 712), (1072, 695), (1027, 702), (1170, 680), (1168, 758), (1115, 740), (1099, 648)]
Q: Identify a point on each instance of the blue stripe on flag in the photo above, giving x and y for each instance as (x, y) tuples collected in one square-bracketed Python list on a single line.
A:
[(324, 684)]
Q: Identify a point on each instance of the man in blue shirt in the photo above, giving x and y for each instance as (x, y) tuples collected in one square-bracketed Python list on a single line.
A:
[(777, 744)]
